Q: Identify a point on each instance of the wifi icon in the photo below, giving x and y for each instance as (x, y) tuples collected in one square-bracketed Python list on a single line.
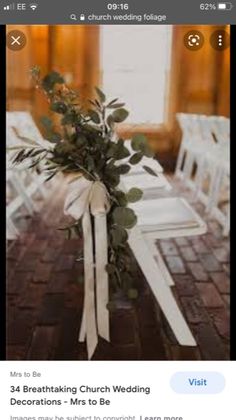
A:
[(33, 6)]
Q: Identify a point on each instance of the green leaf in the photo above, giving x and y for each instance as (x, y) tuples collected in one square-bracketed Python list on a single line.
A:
[(50, 80), (123, 169), (134, 194), (118, 235), (59, 107), (110, 121), (100, 94), (124, 217), (121, 152), (70, 118), (81, 141), (111, 176), (147, 151), (132, 294), (111, 150), (138, 141), (135, 158), (94, 116), (50, 177), (112, 102), (115, 106), (90, 163), (121, 198), (119, 115), (36, 152), (150, 170)]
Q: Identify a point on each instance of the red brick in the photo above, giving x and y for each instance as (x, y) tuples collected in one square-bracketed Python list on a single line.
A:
[(14, 352), (211, 346), (209, 262), (194, 310), (18, 281), (184, 285), (44, 342), (42, 272), (227, 268), (119, 319), (222, 254), (199, 246), (72, 246), (188, 253), (28, 263), (64, 263), (198, 271), (221, 281), (19, 328), (185, 353), (209, 294), (32, 297), (215, 228), (50, 255), (176, 265), (210, 240), (38, 246), (220, 317), (58, 282), (226, 299)]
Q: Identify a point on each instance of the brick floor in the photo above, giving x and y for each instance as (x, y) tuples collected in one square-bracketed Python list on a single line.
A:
[(45, 298)]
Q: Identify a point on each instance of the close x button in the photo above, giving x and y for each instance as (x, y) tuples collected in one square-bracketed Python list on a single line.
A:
[(16, 40)]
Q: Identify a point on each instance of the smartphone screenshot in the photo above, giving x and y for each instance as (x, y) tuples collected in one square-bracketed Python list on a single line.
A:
[(116, 160)]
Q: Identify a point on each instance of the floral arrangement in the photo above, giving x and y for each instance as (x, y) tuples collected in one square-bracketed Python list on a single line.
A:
[(85, 146)]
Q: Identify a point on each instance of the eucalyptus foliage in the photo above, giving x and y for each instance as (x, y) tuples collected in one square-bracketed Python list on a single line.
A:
[(85, 145)]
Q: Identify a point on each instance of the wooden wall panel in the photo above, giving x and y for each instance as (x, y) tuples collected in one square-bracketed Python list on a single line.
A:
[(72, 50)]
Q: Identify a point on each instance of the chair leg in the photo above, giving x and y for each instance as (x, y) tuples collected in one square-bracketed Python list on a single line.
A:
[(160, 262), (180, 160), (227, 222), (12, 232), (27, 201), (215, 185), (160, 289)]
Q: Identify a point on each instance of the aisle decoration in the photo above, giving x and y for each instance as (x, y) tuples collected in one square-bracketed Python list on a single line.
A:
[(86, 149)]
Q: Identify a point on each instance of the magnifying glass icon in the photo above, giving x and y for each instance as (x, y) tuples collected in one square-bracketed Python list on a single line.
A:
[(73, 16)]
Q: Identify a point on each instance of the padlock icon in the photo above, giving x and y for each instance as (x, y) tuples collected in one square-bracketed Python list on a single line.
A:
[(82, 17)]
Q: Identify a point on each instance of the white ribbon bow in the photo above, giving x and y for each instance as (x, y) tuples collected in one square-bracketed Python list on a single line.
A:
[(85, 198)]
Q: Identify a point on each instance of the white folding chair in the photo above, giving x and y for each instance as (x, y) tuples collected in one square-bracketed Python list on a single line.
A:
[(164, 218), (208, 151), (22, 182)]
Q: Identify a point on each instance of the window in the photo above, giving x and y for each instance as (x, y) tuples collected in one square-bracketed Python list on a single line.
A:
[(135, 63)]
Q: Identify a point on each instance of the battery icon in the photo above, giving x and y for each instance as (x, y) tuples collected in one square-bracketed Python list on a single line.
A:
[(224, 6)]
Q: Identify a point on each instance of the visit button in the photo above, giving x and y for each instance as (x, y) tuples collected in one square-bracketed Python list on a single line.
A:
[(197, 382)]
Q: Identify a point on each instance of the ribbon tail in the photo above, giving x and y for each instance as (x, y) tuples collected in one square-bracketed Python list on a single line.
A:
[(89, 298), (102, 286), (82, 331)]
